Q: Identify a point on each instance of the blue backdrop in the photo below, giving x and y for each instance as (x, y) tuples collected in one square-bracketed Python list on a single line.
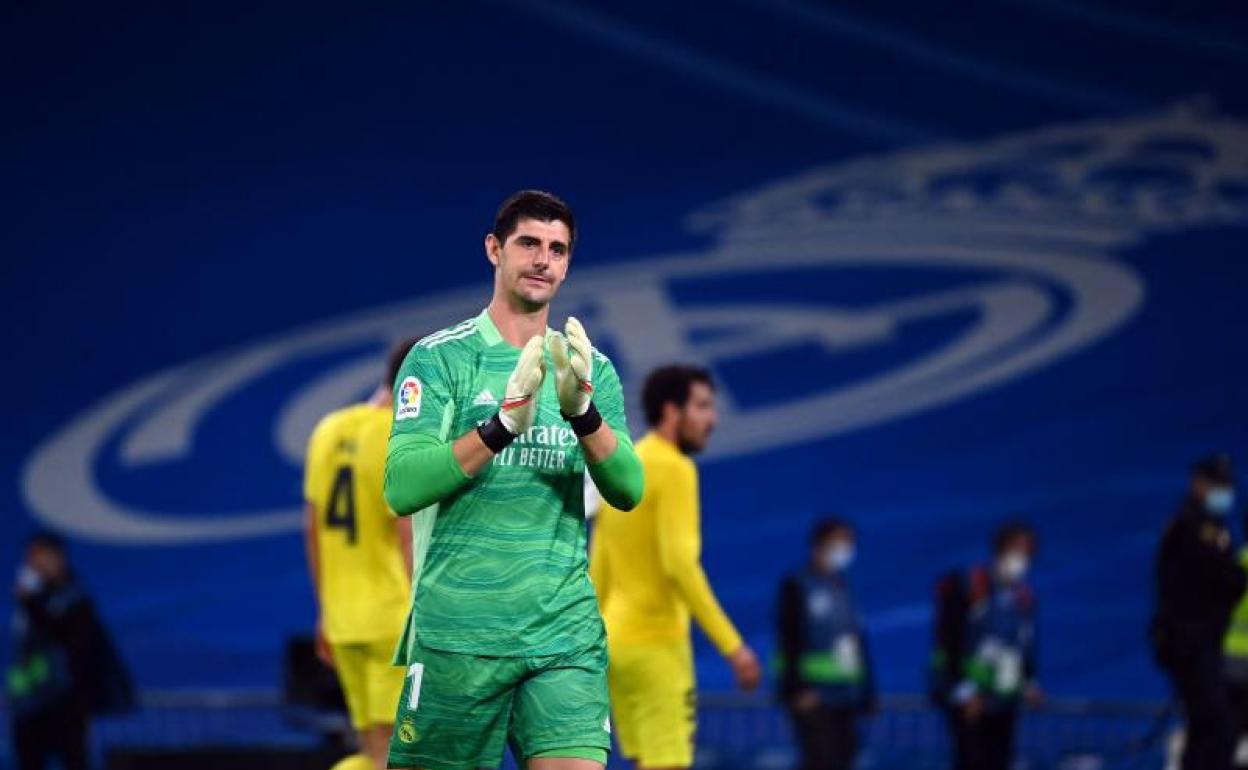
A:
[(948, 267)]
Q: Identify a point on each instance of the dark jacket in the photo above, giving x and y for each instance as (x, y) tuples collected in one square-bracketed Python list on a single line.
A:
[(999, 653), (64, 656), (1199, 582), (984, 639), (822, 643)]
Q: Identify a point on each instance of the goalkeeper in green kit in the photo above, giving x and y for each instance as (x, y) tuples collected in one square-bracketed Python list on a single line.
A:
[(496, 421)]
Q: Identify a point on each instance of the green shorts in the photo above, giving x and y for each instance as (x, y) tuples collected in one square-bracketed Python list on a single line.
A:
[(457, 711)]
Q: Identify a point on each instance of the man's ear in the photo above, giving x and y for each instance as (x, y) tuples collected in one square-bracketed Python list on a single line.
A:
[(493, 249), (671, 411)]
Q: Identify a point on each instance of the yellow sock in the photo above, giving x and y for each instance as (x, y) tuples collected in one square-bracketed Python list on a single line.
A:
[(354, 762)]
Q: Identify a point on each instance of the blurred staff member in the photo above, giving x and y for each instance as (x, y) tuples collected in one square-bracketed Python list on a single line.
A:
[(1236, 651), (826, 678), (646, 569), (66, 669), (1199, 581), (360, 561), (985, 653)]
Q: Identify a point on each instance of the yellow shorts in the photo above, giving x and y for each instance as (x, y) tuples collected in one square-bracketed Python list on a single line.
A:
[(369, 681), (654, 702)]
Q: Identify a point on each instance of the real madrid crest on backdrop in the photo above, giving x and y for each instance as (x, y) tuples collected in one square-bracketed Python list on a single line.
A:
[(1014, 239)]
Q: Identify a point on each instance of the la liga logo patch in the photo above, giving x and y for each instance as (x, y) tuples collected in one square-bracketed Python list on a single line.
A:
[(407, 407)]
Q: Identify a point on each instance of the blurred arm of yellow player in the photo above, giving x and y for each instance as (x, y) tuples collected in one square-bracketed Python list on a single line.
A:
[(677, 520), (312, 548), (315, 473)]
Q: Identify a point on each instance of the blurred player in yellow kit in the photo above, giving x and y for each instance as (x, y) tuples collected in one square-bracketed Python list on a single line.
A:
[(360, 559), (645, 565)]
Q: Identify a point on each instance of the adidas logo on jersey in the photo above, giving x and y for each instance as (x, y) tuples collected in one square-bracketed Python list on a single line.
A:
[(485, 398)]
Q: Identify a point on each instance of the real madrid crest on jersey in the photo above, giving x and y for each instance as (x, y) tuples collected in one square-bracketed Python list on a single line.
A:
[(407, 730)]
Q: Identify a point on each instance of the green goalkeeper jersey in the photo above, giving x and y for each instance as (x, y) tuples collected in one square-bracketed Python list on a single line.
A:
[(500, 565)]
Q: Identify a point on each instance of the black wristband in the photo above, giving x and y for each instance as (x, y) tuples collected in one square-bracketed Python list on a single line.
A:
[(587, 423), (495, 434)]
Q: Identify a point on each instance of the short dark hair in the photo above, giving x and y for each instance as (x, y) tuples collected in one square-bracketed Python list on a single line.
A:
[(826, 528), (671, 385), (532, 204), (1011, 531), (1215, 468), (46, 540), (394, 361)]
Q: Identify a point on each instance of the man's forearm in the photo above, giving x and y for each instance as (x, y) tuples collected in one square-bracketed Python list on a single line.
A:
[(600, 444), (690, 582), (617, 473), (421, 471), (471, 453)]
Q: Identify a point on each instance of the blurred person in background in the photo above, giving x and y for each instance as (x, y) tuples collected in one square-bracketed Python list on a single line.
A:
[(984, 664), (645, 565), (66, 667), (1199, 582), (360, 561), (826, 679), (1235, 648)]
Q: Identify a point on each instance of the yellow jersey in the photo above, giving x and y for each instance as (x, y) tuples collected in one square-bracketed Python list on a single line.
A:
[(363, 583), (645, 563)]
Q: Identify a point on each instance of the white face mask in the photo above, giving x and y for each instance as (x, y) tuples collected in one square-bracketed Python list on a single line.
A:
[(838, 557), (29, 579), (1220, 500), (1013, 566)]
